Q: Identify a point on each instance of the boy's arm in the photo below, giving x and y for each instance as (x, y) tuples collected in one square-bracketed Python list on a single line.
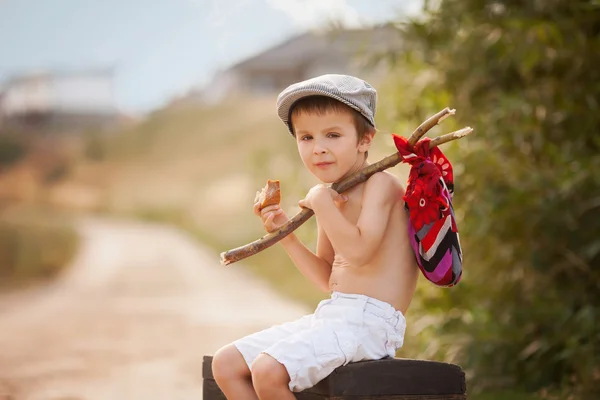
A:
[(357, 243), (315, 267)]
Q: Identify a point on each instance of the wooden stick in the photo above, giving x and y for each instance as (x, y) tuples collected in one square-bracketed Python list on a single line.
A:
[(450, 136), (429, 123), (239, 253)]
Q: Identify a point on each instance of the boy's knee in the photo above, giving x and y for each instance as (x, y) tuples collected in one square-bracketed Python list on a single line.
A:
[(228, 363), (268, 374)]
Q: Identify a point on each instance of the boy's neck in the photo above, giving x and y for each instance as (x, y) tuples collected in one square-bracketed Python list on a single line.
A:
[(355, 168)]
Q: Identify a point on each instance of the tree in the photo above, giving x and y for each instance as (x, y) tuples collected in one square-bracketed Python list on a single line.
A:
[(526, 76)]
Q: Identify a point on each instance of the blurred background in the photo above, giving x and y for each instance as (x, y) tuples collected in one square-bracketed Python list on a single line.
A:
[(134, 135)]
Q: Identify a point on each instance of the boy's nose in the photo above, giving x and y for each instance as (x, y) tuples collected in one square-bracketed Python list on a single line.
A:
[(319, 148)]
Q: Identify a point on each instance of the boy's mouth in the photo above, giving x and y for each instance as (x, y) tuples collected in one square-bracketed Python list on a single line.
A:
[(323, 164)]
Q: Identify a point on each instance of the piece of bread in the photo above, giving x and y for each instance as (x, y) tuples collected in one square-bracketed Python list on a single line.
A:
[(269, 195)]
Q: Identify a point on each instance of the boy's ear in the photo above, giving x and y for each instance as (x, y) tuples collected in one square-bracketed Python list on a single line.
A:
[(365, 142)]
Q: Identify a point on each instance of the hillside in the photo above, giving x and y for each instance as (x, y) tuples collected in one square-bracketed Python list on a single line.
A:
[(199, 168)]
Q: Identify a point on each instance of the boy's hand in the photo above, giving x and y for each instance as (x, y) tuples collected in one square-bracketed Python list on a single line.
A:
[(320, 192), (272, 217)]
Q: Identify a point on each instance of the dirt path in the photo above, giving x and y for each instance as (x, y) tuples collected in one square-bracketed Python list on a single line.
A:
[(130, 320)]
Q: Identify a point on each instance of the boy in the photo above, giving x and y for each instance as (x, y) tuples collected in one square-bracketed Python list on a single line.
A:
[(363, 255)]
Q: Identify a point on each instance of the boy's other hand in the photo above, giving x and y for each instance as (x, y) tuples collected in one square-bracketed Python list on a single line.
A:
[(272, 217), (319, 192)]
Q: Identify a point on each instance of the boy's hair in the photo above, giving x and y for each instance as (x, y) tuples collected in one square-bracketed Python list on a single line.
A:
[(320, 105)]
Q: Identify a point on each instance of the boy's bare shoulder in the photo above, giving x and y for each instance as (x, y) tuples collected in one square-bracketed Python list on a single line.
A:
[(384, 181)]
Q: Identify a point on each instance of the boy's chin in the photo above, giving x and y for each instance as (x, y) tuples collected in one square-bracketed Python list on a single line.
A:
[(328, 179)]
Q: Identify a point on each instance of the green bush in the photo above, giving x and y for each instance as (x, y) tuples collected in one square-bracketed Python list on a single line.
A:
[(11, 150), (34, 248), (525, 75)]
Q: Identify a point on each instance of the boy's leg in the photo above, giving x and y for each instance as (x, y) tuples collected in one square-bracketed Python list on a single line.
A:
[(307, 357), (231, 364), (232, 374), (271, 379)]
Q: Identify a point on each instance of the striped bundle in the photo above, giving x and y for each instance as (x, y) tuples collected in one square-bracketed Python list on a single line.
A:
[(432, 224)]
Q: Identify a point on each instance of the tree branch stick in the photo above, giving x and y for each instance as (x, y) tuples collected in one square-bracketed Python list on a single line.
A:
[(305, 214), (450, 136), (428, 124)]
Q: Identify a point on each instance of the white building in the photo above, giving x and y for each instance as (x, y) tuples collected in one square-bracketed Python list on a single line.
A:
[(81, 97)]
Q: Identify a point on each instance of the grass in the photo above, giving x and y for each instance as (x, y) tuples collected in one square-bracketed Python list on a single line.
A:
[(504, 395), (35, 246)]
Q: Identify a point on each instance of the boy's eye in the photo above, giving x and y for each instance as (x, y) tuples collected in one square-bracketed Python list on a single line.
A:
[(333, 134), (306, 137)]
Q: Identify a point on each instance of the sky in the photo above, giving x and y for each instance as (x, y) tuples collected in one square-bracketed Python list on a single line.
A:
[(160, 49)]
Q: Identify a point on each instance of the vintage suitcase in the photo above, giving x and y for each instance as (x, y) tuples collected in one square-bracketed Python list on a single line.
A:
[(387, 379)]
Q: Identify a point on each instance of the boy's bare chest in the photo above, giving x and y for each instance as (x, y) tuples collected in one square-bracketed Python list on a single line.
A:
[(352, 208)]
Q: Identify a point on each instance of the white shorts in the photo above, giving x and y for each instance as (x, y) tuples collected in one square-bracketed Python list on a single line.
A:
[(345, 328)]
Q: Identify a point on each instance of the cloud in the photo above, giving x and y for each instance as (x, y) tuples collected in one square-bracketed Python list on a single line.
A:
[(218, 15), (316, 13), (220, 11)]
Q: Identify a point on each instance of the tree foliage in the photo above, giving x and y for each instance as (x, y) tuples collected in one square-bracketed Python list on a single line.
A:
[(526, 76)]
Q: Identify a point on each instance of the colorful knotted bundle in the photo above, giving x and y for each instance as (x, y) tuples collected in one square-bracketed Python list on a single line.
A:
[(432, 224)]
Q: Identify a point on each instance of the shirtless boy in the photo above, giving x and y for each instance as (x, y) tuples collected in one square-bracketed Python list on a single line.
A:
[(363, 255)]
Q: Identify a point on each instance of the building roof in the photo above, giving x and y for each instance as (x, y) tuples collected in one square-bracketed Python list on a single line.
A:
[(33, 76), (310, 45)]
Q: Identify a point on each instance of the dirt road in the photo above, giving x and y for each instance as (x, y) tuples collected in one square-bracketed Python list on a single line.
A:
[(131, 319)]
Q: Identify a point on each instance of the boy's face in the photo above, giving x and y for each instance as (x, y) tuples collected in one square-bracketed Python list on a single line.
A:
[(328, 144)]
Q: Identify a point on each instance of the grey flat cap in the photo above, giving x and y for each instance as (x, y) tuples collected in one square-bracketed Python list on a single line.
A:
[(352, 91)]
